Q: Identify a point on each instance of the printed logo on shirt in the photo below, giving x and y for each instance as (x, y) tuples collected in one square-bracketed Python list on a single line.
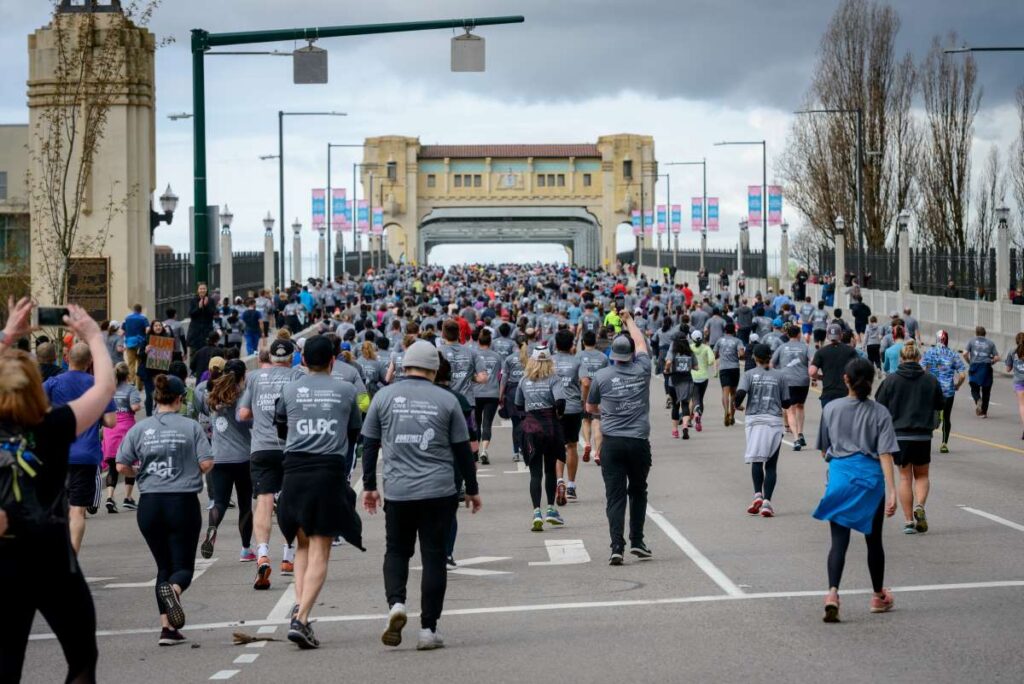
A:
[(163, 469), (150, 432), (422, 439), (317, 426), (302, 390), (221, 424)]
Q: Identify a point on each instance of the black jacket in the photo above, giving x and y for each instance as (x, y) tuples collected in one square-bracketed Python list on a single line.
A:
[(912, 397)]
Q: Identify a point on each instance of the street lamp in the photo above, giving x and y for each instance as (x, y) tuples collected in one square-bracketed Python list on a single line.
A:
[(764, 194), (268, 224), (330, 209), (168, 203), (226, 217)]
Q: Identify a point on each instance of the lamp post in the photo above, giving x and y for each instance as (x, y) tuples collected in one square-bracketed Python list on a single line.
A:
[(168, 204), (703, 163), (227, 263), (764, 195), (330, 210), (296, 251), (839, 239), (269, 259), (657, 244)]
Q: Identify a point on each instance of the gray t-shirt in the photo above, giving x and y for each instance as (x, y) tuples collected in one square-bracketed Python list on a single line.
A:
[(417, 423), (849, 426), (512, 370), (744, 316), (320, 410), (590, 322), (465, 363), (126, 396), (231, 439), (492, 364), (343, 370), (792, 359), (698, 318), (371, 372), (981, 350), (262, 390), (728, 350), (716, 329), (538, 395), (1012, 363), (570, 369), (623, 393), (503, 346), (169, 448), (819, 319), (766, 390)]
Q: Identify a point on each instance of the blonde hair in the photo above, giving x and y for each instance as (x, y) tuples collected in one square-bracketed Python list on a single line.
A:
[(284, 334), (369, 350), (22, 400), (910, 352), (538, 370)]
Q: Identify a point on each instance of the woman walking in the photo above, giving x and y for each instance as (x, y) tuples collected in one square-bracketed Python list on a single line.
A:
[(912, 396), (173, 453), (541, 397), (857, 439), (705, 361), (679, 366), (767, 394), (1015, 364), (128, 401), (487, 394), (513, 368), (231, 444)]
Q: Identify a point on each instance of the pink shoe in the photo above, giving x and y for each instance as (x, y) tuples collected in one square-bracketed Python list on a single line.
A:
[(675, 434), (766, 509), (883, 603), (696, 423), (831, 607), (755, 507)]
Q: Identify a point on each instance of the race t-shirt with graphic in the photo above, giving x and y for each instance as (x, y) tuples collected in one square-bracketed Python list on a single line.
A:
[(766, 390), (126, 396), (465, 363), (169, 448), (343, 370), (570, 370), (320, 410), (231, 439), (622, 392), (592, 361), (791, 359), (541, 394), (262, 390), (492, 364), (728, 350)]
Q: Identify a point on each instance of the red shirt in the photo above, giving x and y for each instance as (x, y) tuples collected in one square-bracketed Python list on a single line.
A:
[(688, 295), (619, 289)]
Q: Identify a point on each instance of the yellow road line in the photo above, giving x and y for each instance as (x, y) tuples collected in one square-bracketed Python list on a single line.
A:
[(987, 443)]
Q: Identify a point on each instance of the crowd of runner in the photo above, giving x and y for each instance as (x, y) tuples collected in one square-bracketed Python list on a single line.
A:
[(267, 404)]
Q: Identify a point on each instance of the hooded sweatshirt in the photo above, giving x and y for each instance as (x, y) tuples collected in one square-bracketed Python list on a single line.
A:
[(912, 396)]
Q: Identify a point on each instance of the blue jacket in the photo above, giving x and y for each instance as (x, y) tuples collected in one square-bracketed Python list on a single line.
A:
[(134, 327)]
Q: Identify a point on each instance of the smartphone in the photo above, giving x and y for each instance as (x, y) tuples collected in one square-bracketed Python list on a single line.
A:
[(48, 315)]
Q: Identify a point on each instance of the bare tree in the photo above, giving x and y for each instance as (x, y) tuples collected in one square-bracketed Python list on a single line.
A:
[(1016, 164), (991, 194), (805, 247), (951, 100), (857, 69)]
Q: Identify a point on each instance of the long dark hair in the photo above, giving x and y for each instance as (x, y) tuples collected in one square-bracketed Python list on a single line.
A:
[(1020, 346), (860, 374)]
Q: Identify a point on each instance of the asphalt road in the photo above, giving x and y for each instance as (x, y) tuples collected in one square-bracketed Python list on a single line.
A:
[(727, 598)]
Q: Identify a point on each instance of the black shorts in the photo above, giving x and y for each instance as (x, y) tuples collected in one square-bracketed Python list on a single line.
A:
[(83, 485), (317, 501), (571, 424), (267, 468), (729, 377), (798, 394), (819, 335), (913, 452)]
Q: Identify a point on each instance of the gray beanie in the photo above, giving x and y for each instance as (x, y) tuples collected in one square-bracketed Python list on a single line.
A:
[(421, 354)]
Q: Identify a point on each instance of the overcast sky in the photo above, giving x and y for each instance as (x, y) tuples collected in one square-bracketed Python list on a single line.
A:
[(688, 72)]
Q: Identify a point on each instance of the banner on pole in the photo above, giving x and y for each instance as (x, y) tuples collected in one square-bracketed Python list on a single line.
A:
[(637, 229), (648, 222), (319, 209), (677, 218), (378, 221), (774, 205), (662, 219), (339, 210), (363, 216), (754, 205), (697, 214), (713, 213)]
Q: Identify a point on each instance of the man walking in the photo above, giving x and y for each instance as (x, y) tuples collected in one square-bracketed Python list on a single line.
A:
[(619, 400), (427, 451)]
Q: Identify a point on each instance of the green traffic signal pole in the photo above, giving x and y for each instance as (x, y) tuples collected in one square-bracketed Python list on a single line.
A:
[(203, 41)]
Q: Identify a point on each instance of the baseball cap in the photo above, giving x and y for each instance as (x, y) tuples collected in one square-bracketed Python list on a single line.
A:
[(622, 349), (421, 354), (317, 351), (217, 362), (777, 322), (174, 386), (541, 352), (696, 335), (835, 332), (894, 314), (754, 337), (115, 324), (281, 350)]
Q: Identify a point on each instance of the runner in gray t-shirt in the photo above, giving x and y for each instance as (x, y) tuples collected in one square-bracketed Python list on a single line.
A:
[(169, 448), (792, 359)]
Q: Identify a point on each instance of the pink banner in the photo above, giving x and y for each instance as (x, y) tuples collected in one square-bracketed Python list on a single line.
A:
[(697, 214), (319, 209), (363, 216), (648, 222), (754, 205), (637, 228), (677, 218), (713, 214), (339, 210), (774, 205), (662, 219)]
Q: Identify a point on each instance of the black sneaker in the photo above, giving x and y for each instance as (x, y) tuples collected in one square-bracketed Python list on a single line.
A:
[(231, 504), (484, 460), (450, 562), (111, 506), (302, 635), (171, 637), (93, 510), (206, 548), (129, 504), (686, 433), (616, 557), (171, 605), (641, 551)]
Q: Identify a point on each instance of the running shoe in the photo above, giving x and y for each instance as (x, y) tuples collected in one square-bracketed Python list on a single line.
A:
[(766, 509), (909, 527), (538, 521), (552, 517), (171, 604), (920, 518), (570, 493), (883, 603), (696, 423), (616, 557), (262, 574), (231, 504), (686, 433), (302, 635), (586, 453), (560, 497), (171, 637), (668, 402), (397, 618), (206, 548), (944, 448), (675, 434), (484, 460), (977, 407), (516, 457), (111, 506), (725, 420), (337, 541), (831, 607), (93, 510), (450, 562), (429, 640), (247, 556), (641, 551), (755, 507), (287, 567), (129, 504)]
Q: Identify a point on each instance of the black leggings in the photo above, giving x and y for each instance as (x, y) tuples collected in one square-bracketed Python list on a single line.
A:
[(765, 475), (947, 418), (699, 389), (225, 477), (52, 584), (111, 480), (680, 409), (171, 524), (517, 434), (876, 554), (543, 452), (486, 408), (875, 355)]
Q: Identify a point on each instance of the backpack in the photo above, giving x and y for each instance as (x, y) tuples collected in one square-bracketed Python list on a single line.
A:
[(18, 495)]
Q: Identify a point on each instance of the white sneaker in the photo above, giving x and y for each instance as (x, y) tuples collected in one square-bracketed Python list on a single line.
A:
[(429, 640), (397, 618)]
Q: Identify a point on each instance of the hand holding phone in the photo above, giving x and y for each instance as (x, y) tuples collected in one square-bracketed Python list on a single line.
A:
[(49, 315)]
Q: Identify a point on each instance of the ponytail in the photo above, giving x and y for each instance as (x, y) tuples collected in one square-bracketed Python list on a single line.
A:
[(1020, 345), (860, 375), (910, 353)]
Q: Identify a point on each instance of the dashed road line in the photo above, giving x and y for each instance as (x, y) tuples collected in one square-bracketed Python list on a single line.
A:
[(564, 552), (247, 658), (225, 674), (202, 565), (993, 518), (699, 559)]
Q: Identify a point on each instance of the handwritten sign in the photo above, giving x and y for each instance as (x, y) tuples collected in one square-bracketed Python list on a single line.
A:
[(161, 351), (89, 285)]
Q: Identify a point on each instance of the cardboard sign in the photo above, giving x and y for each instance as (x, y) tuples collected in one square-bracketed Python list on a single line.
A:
[(161, 352)]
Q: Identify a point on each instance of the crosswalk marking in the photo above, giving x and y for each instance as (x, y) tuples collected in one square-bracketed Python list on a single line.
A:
[(202, 565), (564, 552), (994, 518)]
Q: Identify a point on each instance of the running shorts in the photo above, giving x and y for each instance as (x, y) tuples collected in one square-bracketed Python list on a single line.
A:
[(913, 452), (571, 424), (729, 377), (819, 335), (83, 485), (806, 328), (267, 468), (798, 394)]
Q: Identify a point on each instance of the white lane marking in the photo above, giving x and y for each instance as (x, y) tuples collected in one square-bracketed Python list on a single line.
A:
[(202, 565), (225, 674), (520, 469), (90, 580), (526, 608), (482, 476), (267, 629), (699, 559), (476, 572), (247, 658), (993, 518), (256, 644), (565, 552), (283, 608)]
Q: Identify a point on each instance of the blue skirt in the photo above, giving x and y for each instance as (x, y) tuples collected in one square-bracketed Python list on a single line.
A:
[(855, 489)]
